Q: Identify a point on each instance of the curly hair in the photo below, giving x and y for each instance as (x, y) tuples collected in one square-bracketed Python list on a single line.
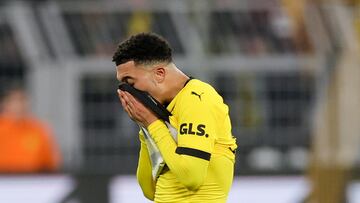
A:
[(143, 48)]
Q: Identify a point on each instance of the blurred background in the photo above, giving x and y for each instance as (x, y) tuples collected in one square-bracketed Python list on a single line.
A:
[(275, 62)]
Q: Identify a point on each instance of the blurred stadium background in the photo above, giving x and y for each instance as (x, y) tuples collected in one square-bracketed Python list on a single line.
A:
[(270, 60)]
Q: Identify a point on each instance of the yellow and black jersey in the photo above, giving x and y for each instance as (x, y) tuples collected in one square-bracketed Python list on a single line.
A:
[(200, 165)]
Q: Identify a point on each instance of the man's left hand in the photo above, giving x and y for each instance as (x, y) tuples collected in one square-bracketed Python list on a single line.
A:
[(136, 110)]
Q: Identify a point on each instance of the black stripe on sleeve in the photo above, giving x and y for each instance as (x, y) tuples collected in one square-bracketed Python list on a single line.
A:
[(193, 152)]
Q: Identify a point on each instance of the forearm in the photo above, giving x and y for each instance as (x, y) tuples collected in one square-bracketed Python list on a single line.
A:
[(190, 171), (143, 173)]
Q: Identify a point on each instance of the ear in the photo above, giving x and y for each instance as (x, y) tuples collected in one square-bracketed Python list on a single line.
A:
[(159, 74)]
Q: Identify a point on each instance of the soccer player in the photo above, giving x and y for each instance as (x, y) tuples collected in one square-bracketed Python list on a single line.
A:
[(200, 162)]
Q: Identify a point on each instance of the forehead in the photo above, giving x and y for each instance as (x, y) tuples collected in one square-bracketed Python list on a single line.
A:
[(125, 69)]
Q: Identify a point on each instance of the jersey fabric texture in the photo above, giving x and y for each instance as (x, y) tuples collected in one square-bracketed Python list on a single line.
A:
[(200, 165)]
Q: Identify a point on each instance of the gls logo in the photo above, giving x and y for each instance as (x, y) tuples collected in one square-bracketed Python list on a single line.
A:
[(187, 128)]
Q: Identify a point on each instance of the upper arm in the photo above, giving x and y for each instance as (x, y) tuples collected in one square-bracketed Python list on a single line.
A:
[(196, 126)]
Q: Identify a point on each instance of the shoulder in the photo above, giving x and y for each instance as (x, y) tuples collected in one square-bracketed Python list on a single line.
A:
[(38, 125), (199, 85), (200, 91)]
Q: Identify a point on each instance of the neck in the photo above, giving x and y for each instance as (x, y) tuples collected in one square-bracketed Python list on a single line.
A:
[(174, 82)]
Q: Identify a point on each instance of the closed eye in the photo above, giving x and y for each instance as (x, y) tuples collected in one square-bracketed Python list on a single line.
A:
[(128, 80)]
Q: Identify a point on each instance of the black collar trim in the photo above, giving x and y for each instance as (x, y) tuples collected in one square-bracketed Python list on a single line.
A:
[(190, 78)]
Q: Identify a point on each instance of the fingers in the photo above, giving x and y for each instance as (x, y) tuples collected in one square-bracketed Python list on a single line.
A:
[(122, 99), (135, 109), (125, 103), (130, 99), (132, 104)]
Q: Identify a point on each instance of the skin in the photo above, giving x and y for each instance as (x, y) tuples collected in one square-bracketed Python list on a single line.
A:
[(15, 105), (161, 80)]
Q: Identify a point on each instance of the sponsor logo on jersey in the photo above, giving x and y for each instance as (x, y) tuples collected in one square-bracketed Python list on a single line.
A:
[(191, 129)]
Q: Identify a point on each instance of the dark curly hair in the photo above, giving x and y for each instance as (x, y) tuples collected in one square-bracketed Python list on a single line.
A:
[(143, 48)]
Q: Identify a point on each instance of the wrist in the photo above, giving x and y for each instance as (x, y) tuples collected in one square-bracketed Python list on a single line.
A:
[(151, 122), (157, 130)]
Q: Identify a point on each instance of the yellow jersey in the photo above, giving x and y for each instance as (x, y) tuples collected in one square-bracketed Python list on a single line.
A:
[(200, 164)]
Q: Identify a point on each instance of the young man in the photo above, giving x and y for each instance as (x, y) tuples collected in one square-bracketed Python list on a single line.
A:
[(200, 162)]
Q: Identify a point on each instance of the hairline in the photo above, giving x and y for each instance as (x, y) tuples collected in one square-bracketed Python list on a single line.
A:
[(147, 64)]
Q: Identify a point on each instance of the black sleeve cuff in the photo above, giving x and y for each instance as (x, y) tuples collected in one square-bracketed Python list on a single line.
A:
[(193, 152)]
